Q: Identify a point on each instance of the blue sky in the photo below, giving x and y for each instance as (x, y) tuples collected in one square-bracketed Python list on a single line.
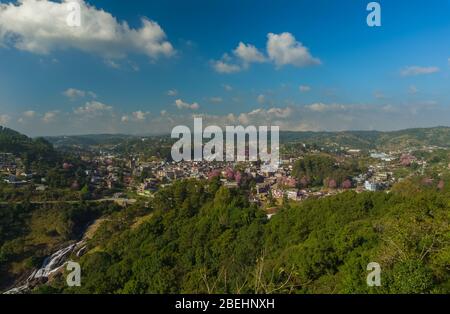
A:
[(326, 70)]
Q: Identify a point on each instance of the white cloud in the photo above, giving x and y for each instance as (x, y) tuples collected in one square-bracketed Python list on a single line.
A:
[(320, 107), (310, 117), (4, 119), (317, 107), (417, 70), (271, 116), (216, 99), (140, 115), (227, 87), (224, 66), (26, 116), (40, 27), (280, 112), (92, 108), (184, 105), (172, 92), (73, 93), (29, 114), (49, 116), (244, 55), (413, 90), (112, 64), (249, 53), (261, 99), (283, 49), (136, 116), (304, 88)]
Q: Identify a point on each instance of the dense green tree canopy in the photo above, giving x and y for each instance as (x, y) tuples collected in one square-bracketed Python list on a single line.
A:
[(198, 237)]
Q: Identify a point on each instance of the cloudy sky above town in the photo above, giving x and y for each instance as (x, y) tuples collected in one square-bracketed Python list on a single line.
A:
[(142, 67)]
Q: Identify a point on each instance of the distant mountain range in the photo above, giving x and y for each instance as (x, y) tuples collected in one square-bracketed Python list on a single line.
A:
[(12, 141), (87, 140), (436, 136)]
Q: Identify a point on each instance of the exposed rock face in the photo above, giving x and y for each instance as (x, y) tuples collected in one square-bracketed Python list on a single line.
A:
[(51, 266)]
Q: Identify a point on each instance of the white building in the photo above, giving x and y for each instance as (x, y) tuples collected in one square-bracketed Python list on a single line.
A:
[(371, 186)]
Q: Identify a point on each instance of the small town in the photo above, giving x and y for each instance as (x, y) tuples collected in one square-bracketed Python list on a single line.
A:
[(128, 177)]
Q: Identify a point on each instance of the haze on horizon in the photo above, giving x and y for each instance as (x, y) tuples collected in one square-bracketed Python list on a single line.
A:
[(144, 68)]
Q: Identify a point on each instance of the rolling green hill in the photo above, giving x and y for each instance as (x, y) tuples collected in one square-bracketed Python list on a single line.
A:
[(116, 143), (438, 136)]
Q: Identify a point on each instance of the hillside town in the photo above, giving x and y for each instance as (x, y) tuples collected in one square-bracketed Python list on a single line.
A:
[(131, 176)]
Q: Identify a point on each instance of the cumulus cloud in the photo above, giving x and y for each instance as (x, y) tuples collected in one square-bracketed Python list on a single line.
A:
[(295, 117), (172, 92), (304, 88), (112, 64), (249, 53), (29, 114), (320, 107), (92, 108), (284, 49), (216, 100), (261, 99), (40, 26), (273, 116), (413, 90), (140, 115), (280, 112), (26, 116), (418, 70), (49, 116), (227, 87), (224, 65), (137, 116), (4, 119), (184, 105), (73, 93)]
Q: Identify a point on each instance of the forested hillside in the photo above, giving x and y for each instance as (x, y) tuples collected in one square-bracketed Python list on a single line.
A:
[(199, 237), (160, 145), (439, 136), (149, 146), (314, 170), (33, 152)]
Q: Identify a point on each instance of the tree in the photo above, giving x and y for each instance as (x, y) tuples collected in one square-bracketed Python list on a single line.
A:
[(85, 194), (347, 184)]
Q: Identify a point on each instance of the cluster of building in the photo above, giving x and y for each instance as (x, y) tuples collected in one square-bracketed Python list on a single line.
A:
[(106, 172), (276, 185), (119, 172), (12, 170)]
